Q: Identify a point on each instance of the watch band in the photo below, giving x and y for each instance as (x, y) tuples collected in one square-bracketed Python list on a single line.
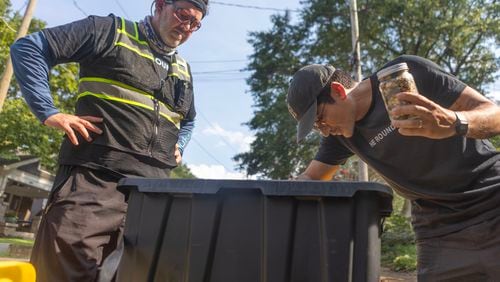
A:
[(461, 124)]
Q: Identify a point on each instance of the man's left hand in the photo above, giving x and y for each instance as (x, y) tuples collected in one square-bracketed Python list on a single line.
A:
[(428, 119)]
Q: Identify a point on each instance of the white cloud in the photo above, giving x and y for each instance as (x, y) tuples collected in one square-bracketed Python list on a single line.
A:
[(237, 138), (493, 90), (214, 172), (495, 94)]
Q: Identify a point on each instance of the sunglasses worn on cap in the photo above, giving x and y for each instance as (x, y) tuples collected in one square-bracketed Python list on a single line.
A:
[(185, 18)]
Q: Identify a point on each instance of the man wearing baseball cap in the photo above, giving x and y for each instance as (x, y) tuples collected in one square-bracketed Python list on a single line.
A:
[(134, 116), (441, 159)]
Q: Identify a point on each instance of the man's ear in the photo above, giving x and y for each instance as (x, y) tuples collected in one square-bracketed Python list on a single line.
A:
[(338, 89)]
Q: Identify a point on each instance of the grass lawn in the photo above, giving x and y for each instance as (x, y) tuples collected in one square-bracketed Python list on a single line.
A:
[(398, 241), (399, 257), (17, 241)]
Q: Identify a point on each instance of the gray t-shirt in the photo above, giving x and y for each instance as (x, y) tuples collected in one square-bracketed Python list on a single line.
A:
[(453, 183)]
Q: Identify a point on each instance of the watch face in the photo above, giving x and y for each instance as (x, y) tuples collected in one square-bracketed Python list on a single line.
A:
[(461, 129)]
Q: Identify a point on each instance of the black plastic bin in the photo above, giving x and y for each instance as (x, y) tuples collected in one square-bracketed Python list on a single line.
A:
[(246, 230)]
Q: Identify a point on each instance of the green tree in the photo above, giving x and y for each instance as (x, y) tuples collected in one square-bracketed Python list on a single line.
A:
[(274, 59), (20, 131), (182, 171), (496, 142), (460, 35)]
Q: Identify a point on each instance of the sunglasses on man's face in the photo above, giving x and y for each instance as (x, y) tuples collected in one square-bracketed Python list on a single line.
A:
[(319, 123), (185, 18)]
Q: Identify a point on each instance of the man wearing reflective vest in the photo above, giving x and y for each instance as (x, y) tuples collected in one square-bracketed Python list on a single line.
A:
[(134, 115)]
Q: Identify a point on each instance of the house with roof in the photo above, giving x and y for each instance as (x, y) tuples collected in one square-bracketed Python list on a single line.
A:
[(24, 189)]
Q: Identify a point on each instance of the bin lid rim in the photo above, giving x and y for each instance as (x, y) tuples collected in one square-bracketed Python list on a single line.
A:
[(267, 187)]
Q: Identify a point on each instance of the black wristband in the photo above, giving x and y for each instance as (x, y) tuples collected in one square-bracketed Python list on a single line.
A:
[(461, 124)]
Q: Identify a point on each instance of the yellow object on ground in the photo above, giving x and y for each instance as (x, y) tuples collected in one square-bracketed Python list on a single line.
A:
[(16, 271)]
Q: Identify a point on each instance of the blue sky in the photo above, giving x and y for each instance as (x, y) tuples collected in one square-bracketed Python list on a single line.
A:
[(217, 53)]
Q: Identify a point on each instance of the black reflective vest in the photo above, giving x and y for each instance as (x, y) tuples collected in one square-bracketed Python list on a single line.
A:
[(142, 97)]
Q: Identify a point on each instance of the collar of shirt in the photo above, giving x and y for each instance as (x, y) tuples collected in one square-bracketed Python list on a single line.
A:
[(156, 43)]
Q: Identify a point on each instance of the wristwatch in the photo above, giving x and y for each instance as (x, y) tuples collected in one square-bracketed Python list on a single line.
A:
[(461, 124)]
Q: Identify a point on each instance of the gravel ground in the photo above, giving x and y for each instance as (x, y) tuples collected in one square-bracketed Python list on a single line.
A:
[(388, 275)]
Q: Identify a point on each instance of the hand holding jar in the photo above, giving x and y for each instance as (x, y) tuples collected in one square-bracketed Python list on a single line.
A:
[(393, 80)]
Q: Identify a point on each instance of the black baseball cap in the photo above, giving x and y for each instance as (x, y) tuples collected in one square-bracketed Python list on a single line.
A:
[(199, 4), (305, 87)]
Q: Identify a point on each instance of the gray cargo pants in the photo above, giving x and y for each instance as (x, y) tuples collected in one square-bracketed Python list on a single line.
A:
[(83, 220), (470, 255)]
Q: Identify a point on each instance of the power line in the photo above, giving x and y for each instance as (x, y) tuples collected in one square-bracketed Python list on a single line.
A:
[(78, 7), (209, 154), (211, 125), (216, 61), (218, 80), (253, 7), (219, 71), (22, 7), (121, 8)]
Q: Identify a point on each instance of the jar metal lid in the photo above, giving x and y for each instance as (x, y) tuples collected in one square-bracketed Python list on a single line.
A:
[(392, 69)]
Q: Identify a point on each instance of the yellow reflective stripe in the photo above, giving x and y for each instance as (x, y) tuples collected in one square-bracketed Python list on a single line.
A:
[(179, 70), (147, 56), (123, 85), (178, 67), (177, 75), (125, 101), (135, 38), (114, 82), (123, 26)]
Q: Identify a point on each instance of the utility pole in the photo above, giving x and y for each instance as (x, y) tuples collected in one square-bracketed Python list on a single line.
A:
[(362, 167), (7, 73)]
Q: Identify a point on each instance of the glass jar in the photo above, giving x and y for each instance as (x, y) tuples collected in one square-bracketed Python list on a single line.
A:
[(395, 79)]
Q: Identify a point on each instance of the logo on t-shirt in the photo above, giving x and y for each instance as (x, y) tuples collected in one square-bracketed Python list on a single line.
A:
[(162, 64), (381, 135)]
